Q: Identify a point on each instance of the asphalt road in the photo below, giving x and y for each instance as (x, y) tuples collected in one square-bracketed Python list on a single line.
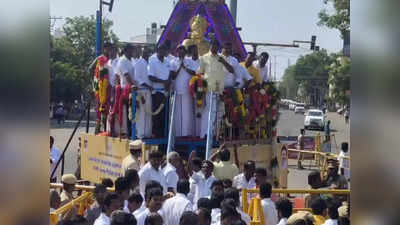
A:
[(288, 125)]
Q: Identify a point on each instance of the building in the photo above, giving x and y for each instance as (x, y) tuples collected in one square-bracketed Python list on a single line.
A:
[(153, 33)]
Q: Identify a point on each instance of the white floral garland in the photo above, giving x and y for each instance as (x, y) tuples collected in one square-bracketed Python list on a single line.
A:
[(227, 122)]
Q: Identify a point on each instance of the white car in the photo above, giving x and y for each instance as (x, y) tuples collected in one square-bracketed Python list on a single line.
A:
[(315, 118), (299, 109)]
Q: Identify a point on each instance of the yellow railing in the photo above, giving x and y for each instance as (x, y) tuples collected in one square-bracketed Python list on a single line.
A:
[(321, 159), (82, 202), (79, 187), (255, 209)]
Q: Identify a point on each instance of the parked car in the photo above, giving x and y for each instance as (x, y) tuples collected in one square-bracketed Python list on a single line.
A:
[(315, 119), (299, 109)]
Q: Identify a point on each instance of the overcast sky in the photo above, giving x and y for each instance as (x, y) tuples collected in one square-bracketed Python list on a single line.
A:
[(272, 21)]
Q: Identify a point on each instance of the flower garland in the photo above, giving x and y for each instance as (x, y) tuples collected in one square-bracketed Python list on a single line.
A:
[(198, 89), (234, 103)]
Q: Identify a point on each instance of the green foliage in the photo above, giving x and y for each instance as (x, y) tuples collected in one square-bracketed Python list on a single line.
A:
[(309, 71), (288, 86), (339, 19), (339, 79), (71, 54)]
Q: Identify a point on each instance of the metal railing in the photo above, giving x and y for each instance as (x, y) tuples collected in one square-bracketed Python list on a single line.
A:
[(255, 209), (83, 202), (209, 127), (171, 136)]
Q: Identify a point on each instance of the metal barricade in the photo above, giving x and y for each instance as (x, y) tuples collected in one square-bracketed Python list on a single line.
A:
[(255, 209)]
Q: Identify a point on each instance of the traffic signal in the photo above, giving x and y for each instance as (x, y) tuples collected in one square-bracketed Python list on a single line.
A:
[(110, 4), (317, 48), (313, 39)]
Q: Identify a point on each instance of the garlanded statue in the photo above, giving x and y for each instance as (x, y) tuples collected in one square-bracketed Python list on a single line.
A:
[(198, 26)]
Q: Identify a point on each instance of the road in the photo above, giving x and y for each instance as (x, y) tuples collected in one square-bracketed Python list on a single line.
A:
[(288, 125)]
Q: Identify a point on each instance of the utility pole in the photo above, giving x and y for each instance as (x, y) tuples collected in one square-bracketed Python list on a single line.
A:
[(99, 15), (256, 44), (270, 68), (54, 20), (275, 69), (233, 9)]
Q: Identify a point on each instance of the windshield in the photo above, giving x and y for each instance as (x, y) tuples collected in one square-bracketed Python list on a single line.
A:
[(314, 113)]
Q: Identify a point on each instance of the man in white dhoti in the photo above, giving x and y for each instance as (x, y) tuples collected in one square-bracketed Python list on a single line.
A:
[(143, 117), (183, 69), (193, 55), (214, 68), (126, 73)]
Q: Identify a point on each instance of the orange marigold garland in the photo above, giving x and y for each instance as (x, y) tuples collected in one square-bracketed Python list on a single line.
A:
[(198, 89), (102, 91)]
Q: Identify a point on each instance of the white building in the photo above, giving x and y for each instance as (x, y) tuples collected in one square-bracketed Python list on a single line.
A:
[(153, 33)]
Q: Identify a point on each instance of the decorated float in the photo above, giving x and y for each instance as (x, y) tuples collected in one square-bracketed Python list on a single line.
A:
[(250, 116)]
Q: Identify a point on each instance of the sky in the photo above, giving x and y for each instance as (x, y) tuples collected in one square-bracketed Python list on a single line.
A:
[(271, 21)]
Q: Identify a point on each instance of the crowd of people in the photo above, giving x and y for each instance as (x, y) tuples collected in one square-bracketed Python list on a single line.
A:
[(170, 191), (155, 75)]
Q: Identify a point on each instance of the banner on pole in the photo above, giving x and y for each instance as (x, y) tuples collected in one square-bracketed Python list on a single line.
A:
[(101, 157), (291, 142)]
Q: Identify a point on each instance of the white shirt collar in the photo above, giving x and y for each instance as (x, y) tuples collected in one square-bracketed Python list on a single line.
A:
[(181, 195), (104, 218)]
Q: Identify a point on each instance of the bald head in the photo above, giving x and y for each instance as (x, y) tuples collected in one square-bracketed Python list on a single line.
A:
[(174, 158)]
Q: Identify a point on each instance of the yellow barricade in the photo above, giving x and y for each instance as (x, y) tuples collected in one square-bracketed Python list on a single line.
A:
[(256, 212), (84, 201), (255, 209)]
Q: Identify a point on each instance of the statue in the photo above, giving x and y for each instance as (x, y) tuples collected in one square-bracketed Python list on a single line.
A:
[(198, 26)]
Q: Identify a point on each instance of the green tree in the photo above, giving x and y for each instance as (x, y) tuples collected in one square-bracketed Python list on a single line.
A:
[(71, 54), (339, 80), (310, 72), (289, 85), (339, 19)]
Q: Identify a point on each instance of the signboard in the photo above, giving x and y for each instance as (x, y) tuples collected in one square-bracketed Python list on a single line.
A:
[(291, 142), (101, 157), (260, 154)]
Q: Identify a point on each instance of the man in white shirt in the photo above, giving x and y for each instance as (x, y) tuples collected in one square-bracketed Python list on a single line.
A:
[(137, 52), (122, 188), (144, 117), (246, 180), (214, 68), (112, 202), (233, 193), (333, 213), (284, 208), (184, 69), (269, 209), (159, 74), (154, 202), (203, 181), (132, 161), (244, 77), (55, 155), (126, 73), (151, 171), (174, 207), (169, 171), (261, 65), (193, 56), (195, 167), (113, 66), (231, 78), (344, 167), (94, 211)]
